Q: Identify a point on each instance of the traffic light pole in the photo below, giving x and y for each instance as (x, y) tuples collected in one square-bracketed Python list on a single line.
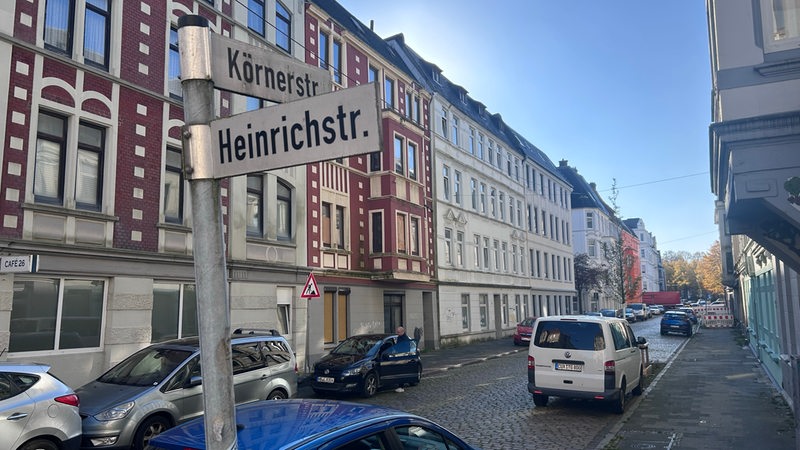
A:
[(213, 307)]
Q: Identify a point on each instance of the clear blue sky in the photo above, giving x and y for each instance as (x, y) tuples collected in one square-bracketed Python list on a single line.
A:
[(620, 89)]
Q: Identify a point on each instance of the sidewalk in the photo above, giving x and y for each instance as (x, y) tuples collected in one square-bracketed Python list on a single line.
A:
[(712, 394)]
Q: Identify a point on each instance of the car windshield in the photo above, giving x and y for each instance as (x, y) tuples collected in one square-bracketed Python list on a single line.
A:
[(357, 345), (147, 367), (674, 316)]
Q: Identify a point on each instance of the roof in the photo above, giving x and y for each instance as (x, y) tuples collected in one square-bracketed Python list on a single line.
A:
[(584, 195), (430, 77)]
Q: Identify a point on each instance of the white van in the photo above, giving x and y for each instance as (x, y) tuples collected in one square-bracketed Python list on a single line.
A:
[(585, 357)]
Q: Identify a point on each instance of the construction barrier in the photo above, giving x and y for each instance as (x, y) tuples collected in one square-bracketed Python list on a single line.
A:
[(716, 320)]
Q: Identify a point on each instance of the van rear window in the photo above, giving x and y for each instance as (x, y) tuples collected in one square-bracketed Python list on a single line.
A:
[(570, 335)]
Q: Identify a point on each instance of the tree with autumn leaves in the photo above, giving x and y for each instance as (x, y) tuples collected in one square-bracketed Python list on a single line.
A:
[(694, 275)]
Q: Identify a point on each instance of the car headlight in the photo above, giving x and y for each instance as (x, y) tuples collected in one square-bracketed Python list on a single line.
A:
[(351, 372), (117, 412)]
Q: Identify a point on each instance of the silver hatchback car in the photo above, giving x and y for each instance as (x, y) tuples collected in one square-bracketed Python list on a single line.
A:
[(37, 410), (160, 386)]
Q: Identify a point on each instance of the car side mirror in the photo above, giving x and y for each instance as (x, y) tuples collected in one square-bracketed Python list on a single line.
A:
[(641, 341), (195, 380)]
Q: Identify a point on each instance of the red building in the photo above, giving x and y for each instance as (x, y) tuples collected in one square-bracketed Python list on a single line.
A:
[(370, 229)]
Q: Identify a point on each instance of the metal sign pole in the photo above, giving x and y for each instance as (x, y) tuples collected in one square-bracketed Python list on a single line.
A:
[(213, 309)]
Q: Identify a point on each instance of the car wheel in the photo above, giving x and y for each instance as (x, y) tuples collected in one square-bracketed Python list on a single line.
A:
[(419, 376), (150, 428), (619, 403), (277, 394), (370, 385), (639, 387), (40, 444), (540, 400), (689, 333)]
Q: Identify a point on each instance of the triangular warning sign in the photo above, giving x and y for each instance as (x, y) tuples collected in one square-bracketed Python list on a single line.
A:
[(310, 290)]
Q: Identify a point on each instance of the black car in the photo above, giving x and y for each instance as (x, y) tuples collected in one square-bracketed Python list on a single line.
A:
[(367, 362), (676, 322)]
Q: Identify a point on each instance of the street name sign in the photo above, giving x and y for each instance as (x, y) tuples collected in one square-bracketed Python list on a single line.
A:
[(264, 73), (336, 125)]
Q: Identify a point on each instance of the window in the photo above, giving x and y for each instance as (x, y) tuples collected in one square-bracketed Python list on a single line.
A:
[(255, 205), (514, 258), (256, 13), (335, 310), (413, 233), (411, 151), (457, 187), (408, 104), (327, 231), (283, 214), (486, 253), (173, 186), (448, 245), (323, 50), (465, 311), (460, 248), (471, 142), (372, 74), (781, 24), (504, 246), (283, 27), (388, 92), (336, 63), (401, 234), (511, 210), (340, 226), (399, 163), (173, 77), (416, 110), (51, 149), (476, 251), (444, 123), (473, 186), (504, 309), (58, 22), (174, 311), (96, 33), (483, 198), (491, 151), (454, 136), (502, 206), (483, 305), (284, 313), (375, 162), (446, 181), (56, 314), (492, 202), (480, 146), (496, 255), (377, 232)]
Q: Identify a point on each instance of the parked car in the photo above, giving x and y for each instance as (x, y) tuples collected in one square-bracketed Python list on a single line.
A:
[(37, 410), (630, 316), (611, 312), (655, 310), (311, 424), (523, 334), (676, 322), (640, 310), (366, 363), (161, 385), (585, 357), (689, 312)]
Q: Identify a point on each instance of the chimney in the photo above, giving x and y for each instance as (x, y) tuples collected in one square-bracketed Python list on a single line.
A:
[(593, 185), (371, 25), (563, 163)]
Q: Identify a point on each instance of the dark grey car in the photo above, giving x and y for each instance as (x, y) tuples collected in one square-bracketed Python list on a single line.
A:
[(160, 386)]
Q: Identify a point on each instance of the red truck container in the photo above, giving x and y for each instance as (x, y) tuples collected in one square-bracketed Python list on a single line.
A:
[(667, 298)]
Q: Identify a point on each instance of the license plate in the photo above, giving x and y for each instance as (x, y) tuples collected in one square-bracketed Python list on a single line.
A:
[(325, 379), (674, 326), (569, 367)]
